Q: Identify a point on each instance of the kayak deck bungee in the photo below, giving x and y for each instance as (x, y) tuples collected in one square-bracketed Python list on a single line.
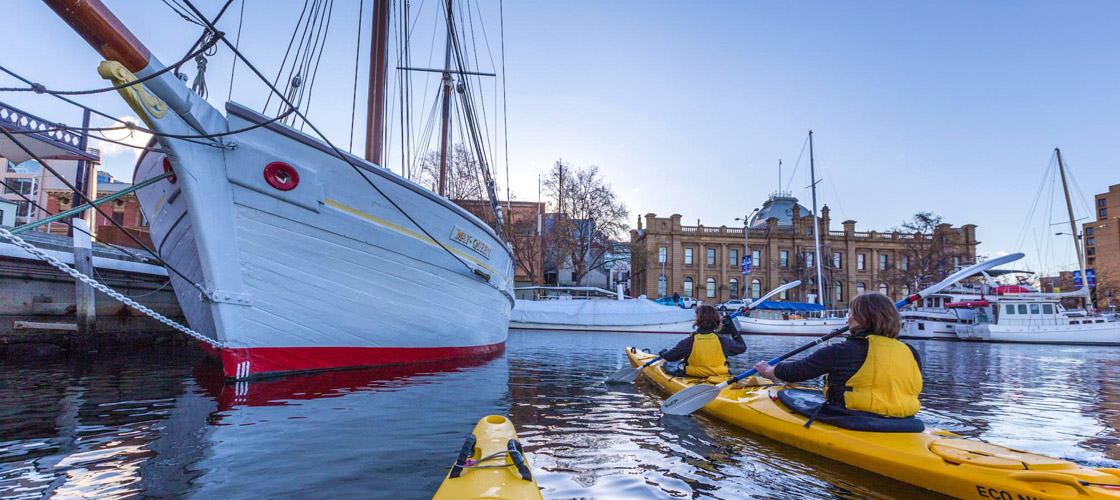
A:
[(933, 459), (490, 465)]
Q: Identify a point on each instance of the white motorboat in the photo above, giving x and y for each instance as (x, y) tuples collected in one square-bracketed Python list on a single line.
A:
[(790, 318), (575, 309)]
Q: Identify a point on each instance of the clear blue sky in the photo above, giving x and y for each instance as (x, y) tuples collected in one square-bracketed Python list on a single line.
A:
[(686, 107)]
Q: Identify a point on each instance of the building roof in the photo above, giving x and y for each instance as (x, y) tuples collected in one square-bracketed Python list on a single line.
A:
[(780, 206)]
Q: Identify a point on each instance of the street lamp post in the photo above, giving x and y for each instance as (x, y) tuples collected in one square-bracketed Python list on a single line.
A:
[(747, 246)]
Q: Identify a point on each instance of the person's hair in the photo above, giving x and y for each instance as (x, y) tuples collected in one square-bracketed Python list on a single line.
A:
[(875, 314), (707, 318)]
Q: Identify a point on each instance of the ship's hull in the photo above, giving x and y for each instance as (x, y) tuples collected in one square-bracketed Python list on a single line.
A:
[(933, 324), (792, 327), (328, 274), (681, 327), (1090, 331)]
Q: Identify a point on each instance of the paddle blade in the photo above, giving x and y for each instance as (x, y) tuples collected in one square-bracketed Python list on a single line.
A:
[(691, 399), (624, 376)]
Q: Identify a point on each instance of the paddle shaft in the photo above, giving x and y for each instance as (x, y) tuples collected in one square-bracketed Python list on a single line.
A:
[(900, 304)]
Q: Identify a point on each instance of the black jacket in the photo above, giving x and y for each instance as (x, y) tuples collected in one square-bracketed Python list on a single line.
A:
[(838, 361), (729, 339)]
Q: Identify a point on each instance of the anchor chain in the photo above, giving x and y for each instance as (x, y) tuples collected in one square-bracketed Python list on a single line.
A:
[(103, 288)]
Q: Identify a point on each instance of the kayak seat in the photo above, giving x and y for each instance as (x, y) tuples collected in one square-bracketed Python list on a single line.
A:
[(810, 403)]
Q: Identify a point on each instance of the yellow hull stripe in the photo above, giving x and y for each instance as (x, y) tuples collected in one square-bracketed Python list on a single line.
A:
[(409, 232)]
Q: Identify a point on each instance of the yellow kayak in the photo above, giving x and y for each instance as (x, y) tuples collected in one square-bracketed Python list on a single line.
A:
[(490, 465), (932, 459)]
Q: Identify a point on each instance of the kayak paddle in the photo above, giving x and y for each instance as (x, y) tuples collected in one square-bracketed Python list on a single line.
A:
[(628, 374), (697, 396)]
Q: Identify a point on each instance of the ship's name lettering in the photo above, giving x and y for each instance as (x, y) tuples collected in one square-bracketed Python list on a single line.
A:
[(986, 492), (470, 241)]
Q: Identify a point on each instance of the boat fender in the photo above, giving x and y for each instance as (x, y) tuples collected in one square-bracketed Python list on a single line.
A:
[(517, 456), (281, 176), (464, 453), (167, 168)]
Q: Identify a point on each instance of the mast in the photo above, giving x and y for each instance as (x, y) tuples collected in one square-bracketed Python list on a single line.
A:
[(445, 123), (1073, 231), (816, 223), (375, 103)]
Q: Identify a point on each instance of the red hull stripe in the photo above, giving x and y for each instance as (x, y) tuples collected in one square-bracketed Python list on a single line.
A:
[(245, 362)]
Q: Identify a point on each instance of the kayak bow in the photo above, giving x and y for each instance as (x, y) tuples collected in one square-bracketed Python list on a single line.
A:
[(490, 465)]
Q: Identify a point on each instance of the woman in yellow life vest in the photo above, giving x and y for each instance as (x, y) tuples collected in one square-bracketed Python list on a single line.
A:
[(871, 371), (704, 353)]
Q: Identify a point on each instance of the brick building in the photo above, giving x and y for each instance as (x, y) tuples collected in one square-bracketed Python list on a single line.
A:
[(703, 261), (524, 218), (1101, 239), (124, 211)]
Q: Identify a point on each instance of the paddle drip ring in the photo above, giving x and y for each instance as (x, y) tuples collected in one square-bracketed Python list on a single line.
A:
[(167, 168), (281, 176)]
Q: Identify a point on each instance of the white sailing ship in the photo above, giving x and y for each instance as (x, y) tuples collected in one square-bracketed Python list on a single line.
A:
[(299, 256)]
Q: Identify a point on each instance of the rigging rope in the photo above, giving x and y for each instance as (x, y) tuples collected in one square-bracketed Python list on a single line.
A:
[(236, 43), (357, 55), (344, 157)]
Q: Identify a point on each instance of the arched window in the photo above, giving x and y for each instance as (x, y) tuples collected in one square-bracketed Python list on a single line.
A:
[(711, 288), (861, 288), (883, 288), (905, 290), (688, 287), (733, 287), (784, 295), (756, 289), (839, 292)]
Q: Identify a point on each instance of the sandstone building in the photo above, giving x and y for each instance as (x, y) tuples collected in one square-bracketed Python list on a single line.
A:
[(704, 262)]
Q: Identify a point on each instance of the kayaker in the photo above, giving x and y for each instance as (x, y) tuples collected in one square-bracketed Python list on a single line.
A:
[(704, 353), (871, 371)]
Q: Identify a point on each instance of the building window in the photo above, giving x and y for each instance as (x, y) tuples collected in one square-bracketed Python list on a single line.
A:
[(688, 256), (733, 286), (756, 258), (25, 187), (661, 253), (1090, 261), (711, 287), (905, 263), (882, 262), (1090, 241), (861, 288), (1102, 212), (756, 289), (23, 208), (733, 257), (837, 260), (783, 259), (839, 292), (711, 256), (861, 261), (661, 286), (905, 290), (687, 287), (809, 230), (785, 293), (883, 288), (809, 256), (1091, 251), (1088, 231), (1101, 202)]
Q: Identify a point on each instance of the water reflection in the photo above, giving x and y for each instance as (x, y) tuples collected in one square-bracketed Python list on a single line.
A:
[(166, 424)]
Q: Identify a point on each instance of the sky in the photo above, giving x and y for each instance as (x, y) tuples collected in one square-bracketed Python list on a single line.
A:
[(953, 107)]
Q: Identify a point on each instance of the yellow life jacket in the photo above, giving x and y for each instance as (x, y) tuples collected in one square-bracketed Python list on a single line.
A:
[(706, 358), (888, 382)]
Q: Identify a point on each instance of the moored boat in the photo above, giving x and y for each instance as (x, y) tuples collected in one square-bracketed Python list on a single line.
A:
[(569, 314), (296, 256)]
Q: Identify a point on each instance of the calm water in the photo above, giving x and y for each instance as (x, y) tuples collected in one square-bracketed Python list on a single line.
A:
[(164, 425)]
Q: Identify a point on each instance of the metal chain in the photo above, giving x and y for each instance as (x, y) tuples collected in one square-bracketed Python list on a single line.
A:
[(33, 250)]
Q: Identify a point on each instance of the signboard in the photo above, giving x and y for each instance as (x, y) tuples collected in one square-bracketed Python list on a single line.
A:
[(747, 265), (1090, 273)]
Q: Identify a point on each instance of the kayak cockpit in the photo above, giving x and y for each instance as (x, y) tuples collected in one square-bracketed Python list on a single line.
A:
[(810, 403)]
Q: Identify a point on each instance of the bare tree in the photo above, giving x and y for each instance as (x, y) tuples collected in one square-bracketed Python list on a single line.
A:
[(464, 175), (589, 221), (928, 254)]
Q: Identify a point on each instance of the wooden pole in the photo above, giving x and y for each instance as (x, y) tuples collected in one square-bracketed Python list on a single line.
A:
[(375, 104), (103, 31), (84, 297), (445, 116)]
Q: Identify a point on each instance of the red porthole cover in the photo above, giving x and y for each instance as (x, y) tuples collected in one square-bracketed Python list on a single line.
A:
[(167, 168), (281, 176)]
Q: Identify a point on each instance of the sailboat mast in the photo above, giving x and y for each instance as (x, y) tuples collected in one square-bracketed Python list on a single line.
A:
[(816, 224), (445, 123), (375, 103), (1073, 231)]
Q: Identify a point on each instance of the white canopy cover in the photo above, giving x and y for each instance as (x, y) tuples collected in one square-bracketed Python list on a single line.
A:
[(630, 312)]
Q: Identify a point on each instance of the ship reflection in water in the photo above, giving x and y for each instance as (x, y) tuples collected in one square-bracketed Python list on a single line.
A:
[(167, 425)]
